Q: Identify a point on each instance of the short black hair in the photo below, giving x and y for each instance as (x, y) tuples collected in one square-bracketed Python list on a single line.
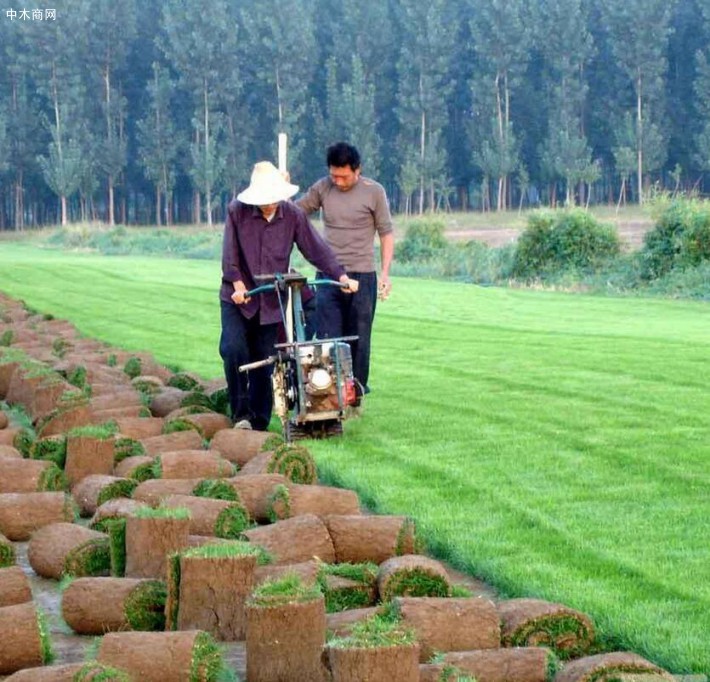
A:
[(342, 154)]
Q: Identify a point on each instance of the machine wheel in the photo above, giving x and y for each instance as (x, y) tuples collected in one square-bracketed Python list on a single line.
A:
[(322, 429)]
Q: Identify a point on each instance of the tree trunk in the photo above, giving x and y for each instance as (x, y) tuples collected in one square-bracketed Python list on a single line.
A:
[(111, 215), (64, 210), (639, 139), (157, 205)]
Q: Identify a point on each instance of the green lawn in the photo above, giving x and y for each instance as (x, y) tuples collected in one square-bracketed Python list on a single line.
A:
[(556, 445)]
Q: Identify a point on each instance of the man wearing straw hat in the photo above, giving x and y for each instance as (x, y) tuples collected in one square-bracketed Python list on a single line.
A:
[(259, 234)]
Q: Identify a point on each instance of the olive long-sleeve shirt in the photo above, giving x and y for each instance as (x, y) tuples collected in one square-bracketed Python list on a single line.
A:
[(253, 246)]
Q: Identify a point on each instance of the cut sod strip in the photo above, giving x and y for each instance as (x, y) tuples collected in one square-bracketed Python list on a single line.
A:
[(135, 428), (29, 476), (348, 586), (534, 622), (341, 624), (255, 491), (297, 499), (524, 663), (162, 656), (93, 490), (170, 442), (208, 423), (7, 552), (208, 587), (23, 513), (93, 606), (25, 642), (293, 461), (71, 672), (194, 464), (357, 539), (378, 649), (140, 468), (151, 536), (449, 624), (153, 491), (219, 518), (413, 575), (240, 445), (89, 451), (610, 666), (14, 586), (69, 549), (117, 508), (294, 540), (285, 632)]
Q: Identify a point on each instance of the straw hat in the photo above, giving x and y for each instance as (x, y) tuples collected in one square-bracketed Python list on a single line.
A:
[(267, 186)]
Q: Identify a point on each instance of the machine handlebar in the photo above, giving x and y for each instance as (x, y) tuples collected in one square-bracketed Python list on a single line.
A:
[(284, 281)]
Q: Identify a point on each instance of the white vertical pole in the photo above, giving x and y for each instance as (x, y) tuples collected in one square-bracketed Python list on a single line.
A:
[(283, 167), (283, 145)]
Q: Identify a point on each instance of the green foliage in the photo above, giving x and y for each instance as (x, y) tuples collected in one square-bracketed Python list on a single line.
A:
[(97, 672), (207, 659), (92, 558), (133, 367), (7, 554), (184, 381), (561, 241), (104, 431), (351, 596), (53, 448), (116, 529), (375, 632), (423, 240), (288, 589), (175, 425), (53, 479), (145, 606), (45, 639), (127, 447), (162, 513), (232, 521)]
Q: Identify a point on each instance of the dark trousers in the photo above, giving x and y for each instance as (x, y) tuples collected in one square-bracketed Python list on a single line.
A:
[(341, 314), (242, 341)]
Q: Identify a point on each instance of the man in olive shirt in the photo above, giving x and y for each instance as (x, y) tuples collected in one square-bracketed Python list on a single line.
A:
[(355, 210)]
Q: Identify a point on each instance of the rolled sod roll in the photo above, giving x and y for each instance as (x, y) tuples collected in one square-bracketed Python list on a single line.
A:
[(132, 467), (412, 575), (295, 500), (255, 492), (21, 637), (293, 461), (348, 586), (117, 508), (608, 667), (67, 548), (161, 656), (208, 588), (4, 421), (126, 397), (10, 452), (70, 672), (294, 540), (139, 427), (30, 475), (285, 637), (440, 672), (450, 624), (220, 518), (93, 606), (534, 622), (93, 490), (66, 419), (14, 586), (51, 448), (153, 491), (7, 552), (125, 447), (371, 538), (8, 435), (375, 663), (149, 542), (179, 440), (306, 572), (524, 664), (341, 624), (23, 513), (240, 445), (193, 464), (208, 423), (88, 455), (167, 400)]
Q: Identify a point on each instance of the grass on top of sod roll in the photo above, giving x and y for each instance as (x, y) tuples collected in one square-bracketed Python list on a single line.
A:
[(553, 444)]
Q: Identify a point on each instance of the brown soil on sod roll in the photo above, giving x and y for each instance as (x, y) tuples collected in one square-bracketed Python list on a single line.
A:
[(139, 427), (129, 466), (23, 513), (211, 517), (112, 413), (7, 436), (306, 571), (45, 398), (7, 369), (49, 673), (341, 624), (168, 399), (57, 548), (152, 656), (126, 397), (149, 541), (20, 637), (212, 595), (294, 540), (529, 664), (22, 475), (194, 464), (4, 421), (118, 508), (94, 490), (412, 575), (7, 552), (14, 586), (10, 452), (94, 606), (296, 499), (610, 666), (370, 538), (285, 642), (256, 491), (239, 445), (534, 622), (151, 492), (450, 624), (208, 423), (440, 672), (178, 440), (67, 419), (88, 455), (374, 664)]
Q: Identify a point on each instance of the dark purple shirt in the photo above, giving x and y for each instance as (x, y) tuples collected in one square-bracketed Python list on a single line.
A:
[(254, 246)]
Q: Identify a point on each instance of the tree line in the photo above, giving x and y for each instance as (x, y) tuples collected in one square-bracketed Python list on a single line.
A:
[(154, 111)]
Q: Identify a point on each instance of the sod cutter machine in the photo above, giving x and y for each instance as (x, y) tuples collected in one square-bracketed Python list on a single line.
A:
[(312, 380)]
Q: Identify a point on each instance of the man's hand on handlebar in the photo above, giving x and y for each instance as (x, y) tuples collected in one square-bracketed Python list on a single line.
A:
[(350, 286), (239, 296)]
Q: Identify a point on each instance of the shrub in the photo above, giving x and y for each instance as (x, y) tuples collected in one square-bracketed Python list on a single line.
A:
[(424, 239), (556, 242)]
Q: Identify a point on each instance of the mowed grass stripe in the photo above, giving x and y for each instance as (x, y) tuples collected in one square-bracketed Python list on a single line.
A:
[(555, 445)]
